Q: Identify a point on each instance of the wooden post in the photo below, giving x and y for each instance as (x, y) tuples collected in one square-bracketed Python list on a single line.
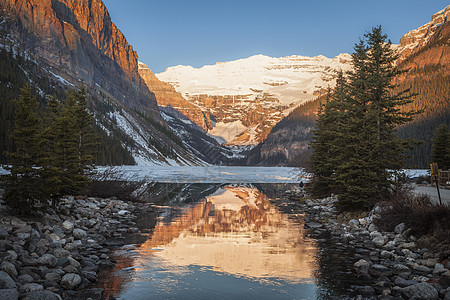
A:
[(435, 172)]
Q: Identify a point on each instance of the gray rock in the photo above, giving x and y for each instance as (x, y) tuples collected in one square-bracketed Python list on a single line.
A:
[(444, 280), (407, 245), (67, 226), (372, 227), (400, 228), (401, 270), (25, 278), (6, 282), (313, 225), (423, 291), (18, 223), (439, 269), (379, 240), (401, 282), (79, 234), (73, 262), (9, 268), (362, 266), (379, 270), (59, 253), (70, 281), (31, 288), (386, 254), (353, 223), (53, 277), (12, 255), (9, 294), (47, 260), (42, 295), (3, 233), (422, 269)]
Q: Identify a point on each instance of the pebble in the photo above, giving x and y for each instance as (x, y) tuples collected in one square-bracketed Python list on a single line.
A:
[(391, 262), (59, 256)]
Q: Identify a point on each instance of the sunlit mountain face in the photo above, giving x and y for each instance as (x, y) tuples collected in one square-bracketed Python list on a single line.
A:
[(236, 231)]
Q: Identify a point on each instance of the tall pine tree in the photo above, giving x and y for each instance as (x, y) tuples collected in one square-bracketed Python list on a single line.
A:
[(366, 154), (24, 187)]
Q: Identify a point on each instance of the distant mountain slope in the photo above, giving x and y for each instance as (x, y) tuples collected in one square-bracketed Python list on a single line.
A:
[(429, 78), (287, 143), (247, 97)]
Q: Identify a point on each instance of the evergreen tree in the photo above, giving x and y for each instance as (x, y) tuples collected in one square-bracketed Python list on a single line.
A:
[(363, 152), (440, 149), (75, 142), (24, 187), (326, 140)]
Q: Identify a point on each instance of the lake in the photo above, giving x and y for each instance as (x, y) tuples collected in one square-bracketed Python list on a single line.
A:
[(226, 241)]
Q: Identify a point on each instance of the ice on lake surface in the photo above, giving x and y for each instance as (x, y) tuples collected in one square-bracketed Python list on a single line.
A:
[(211, 174)]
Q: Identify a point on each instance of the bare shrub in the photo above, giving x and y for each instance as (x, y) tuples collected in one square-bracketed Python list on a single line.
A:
[(427, 221)]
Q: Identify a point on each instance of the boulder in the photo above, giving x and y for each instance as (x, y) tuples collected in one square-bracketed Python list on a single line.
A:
[(380, 240), (423, 291), (9, 268), (362, 266), (70, 281), (9, 294), (47, 260), (400, 228), (79, 234), (6, 282), (42, 295), (67, 226), (31, 288), (379, 270)]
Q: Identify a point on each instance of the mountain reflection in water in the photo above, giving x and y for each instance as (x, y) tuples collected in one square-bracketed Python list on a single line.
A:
[(234, 234)]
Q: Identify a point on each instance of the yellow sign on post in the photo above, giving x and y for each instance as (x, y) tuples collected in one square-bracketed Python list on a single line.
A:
[(435, 172), (434, 169)]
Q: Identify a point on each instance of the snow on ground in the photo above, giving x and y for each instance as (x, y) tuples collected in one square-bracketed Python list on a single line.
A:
[(211, 174)]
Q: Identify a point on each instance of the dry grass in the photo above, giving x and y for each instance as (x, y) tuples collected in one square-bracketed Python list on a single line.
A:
[(429, 222)]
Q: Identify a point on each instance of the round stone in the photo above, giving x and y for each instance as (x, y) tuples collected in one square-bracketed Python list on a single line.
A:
[(70, 281)]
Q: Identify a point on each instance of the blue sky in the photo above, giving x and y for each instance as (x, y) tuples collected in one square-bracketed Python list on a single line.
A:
[(166, 33)]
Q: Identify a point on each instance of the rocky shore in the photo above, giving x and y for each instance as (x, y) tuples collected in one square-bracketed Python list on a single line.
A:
[(391, 263), (58, 254)]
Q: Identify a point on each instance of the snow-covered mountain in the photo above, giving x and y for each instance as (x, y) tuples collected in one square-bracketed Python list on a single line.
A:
[(247, 97)]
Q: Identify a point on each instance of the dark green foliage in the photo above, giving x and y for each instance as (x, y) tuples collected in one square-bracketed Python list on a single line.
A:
[(440, 150), (16, 71), (327, 140), (25, 186), (53, 154), (356, 151), (431, 88)]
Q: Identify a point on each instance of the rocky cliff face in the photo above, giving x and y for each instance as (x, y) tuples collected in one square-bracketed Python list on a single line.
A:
[(416, 39), (79, 42), (166, 95)]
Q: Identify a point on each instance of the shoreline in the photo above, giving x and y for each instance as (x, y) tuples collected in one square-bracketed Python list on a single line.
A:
[(391, 263), (59, 254)]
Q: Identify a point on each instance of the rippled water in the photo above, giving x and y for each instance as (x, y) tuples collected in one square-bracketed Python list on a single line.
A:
[(219, 242)]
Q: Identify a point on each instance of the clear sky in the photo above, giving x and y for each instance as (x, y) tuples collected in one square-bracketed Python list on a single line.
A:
[(166, 33)]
